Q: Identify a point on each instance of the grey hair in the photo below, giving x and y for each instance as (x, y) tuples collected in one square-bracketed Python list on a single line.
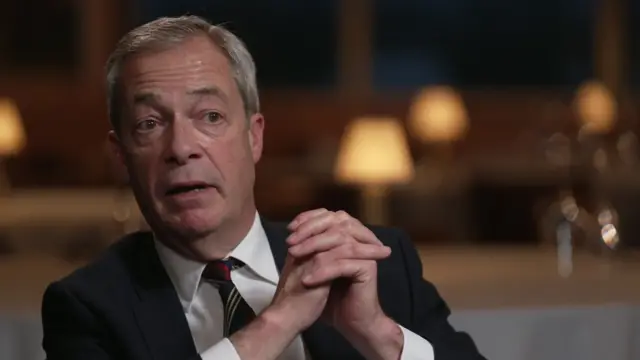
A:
[(165, 32)]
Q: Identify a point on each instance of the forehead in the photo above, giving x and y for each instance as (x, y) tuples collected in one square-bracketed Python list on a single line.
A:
[(195, 63)]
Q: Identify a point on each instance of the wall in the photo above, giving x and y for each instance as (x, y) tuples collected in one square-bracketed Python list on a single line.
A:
[(66, 124)]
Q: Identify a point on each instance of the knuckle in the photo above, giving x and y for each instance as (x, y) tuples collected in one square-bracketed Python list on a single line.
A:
[(343, 216), (372, 267), (352, 248), (342, 234), (304, 247), (334, 236), (334, 232), (346, 225), (321, 259)]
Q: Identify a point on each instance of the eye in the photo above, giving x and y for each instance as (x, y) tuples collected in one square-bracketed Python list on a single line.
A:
[(146, 125), (212, 116)]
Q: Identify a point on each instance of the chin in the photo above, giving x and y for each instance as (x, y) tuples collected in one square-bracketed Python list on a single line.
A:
[(194, 223)]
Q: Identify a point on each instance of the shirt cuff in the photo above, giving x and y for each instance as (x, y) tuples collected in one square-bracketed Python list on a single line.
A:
[(223, 349), (415, 347)]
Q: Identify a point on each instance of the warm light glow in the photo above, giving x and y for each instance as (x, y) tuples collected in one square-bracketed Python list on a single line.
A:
[(596, 107), (12, 136), (438, 114), (374, 151)]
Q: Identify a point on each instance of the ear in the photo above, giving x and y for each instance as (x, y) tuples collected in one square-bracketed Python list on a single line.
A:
[(115, 147), (256, 131), (116, 153)]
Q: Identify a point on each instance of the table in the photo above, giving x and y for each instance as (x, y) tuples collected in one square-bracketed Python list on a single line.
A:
[(510, 300), (20, 297), (505, 277), (50, 220), (516, 306), (596, 332)]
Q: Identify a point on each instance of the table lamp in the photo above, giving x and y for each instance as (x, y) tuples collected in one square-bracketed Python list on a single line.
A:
[(596, 107), (438, 115), (12, 137), (374, 155), (597, 110), (437, 118)]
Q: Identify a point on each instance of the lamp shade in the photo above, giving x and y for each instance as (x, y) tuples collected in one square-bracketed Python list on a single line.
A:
[(374, 151), (438, 114), (12, 135), (596, 107)]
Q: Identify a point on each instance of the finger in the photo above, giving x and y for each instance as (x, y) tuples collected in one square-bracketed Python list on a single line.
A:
[(349, 252), (314, 226), (356, 251), (355, 228), (325, 222), (329, 240), (344, 268), (318, 243), (360, 232), (304, 216)]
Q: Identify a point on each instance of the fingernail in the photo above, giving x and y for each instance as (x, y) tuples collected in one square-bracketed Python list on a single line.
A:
[(290, 239)]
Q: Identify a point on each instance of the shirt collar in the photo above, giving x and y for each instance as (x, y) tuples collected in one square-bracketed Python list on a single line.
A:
[(254, 250)]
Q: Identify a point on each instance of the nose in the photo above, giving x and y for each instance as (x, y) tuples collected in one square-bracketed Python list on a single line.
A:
[(182, 144)]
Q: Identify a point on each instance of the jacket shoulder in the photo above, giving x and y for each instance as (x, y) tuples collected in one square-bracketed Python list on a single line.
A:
[(111, 267), (388, 234)]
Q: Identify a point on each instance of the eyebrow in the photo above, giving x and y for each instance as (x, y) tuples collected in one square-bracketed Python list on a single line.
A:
[(152, 98), (145, 97), (209, 91)]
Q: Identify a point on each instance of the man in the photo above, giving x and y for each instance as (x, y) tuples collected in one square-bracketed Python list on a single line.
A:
[(214, 280)]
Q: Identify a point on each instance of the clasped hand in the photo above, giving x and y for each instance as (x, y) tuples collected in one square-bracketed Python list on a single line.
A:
[(331, 273)]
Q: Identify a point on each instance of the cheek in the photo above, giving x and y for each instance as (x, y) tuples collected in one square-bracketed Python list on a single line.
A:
[(231, 156), (242, 151), (141, 168)]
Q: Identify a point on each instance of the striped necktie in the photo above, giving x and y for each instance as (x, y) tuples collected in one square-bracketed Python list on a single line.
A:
[(237, 313)]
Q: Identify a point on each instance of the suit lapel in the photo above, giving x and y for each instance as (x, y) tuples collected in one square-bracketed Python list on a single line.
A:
[(322, 341), (277, 235), (158, 309)]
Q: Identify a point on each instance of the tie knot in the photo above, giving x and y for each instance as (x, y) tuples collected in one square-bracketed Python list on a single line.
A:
[(220, 270)]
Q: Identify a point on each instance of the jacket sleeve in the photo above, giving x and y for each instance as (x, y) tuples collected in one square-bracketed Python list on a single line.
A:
[(430, 313), (70, 330)]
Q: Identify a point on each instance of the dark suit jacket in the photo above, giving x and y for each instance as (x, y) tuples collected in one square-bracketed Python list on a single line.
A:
[(123, 306)]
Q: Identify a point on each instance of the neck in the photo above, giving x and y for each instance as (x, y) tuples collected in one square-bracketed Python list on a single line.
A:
[(216, 244)]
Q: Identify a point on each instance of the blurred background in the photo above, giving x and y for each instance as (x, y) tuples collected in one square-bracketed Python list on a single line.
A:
[(501, 135)]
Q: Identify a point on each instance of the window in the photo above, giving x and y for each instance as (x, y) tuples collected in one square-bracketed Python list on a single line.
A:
[(42, 39), (633, 41), (482, 43), (293, 42)]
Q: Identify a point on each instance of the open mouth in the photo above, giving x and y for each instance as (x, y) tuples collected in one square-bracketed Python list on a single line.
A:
[(186, 188)]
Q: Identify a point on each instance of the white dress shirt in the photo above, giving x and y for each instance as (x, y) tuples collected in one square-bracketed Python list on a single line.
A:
[(256, 282)]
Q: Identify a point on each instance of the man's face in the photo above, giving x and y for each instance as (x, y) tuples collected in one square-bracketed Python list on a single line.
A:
[(185, 139)]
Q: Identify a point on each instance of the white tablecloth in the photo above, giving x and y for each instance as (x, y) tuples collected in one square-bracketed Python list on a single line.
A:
[(607, 332), (590, 333), (511, 302), (20, 337)]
